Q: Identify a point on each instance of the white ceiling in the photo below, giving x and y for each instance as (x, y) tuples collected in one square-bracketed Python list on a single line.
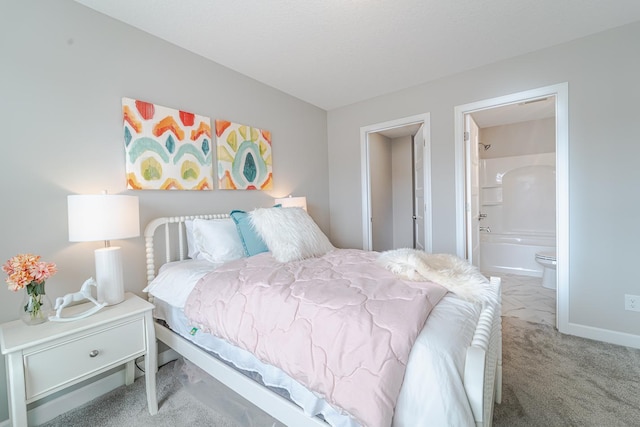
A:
[(400, 131), (332, 53), (535, 109)]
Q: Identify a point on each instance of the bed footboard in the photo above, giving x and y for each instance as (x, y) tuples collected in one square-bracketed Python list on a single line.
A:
[(483, 365)]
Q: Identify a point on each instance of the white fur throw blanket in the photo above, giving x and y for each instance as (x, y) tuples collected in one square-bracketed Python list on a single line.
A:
[(449, 271)]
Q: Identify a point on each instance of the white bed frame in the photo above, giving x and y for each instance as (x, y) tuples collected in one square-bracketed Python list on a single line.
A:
[(483, 364)]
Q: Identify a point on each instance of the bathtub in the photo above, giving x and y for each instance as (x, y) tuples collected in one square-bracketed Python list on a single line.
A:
[(514, 253)]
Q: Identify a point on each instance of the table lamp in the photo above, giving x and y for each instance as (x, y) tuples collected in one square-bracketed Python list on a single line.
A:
[(292, 202), (105, 217)]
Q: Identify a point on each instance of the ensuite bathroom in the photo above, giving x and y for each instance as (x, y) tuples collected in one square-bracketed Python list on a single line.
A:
[(517, 203)]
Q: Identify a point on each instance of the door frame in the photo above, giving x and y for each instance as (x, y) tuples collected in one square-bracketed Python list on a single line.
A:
[(367, 231), (472, 157), (561, 93)]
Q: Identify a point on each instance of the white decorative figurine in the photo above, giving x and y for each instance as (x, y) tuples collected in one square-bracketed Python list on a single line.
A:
[(83, 294)]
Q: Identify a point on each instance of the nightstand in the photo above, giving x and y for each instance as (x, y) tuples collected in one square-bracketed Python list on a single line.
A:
[(46, 358)]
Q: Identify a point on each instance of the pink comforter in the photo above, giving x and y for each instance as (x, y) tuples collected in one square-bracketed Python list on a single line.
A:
[(341, 325)]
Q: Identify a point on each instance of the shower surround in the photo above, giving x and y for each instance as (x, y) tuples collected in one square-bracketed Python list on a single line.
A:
[(519, 199)]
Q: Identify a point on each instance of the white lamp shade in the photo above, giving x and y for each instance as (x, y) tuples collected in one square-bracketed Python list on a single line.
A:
[(102, 217), (293, 202), (105, 217)]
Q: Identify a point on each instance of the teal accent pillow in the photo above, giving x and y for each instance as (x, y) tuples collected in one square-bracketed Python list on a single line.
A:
[(251, 240)]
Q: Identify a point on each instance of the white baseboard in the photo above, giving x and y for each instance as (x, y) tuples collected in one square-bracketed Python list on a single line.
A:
[(76, 398), (605, 335)]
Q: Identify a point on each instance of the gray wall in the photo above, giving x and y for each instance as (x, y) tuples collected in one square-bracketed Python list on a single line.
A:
[(517, 139), (602, 72), (64, 71)]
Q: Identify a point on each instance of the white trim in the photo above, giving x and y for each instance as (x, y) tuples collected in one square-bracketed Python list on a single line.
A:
[(366, 184), (367, 232), (426, 161), (461, 203), (561, 92), (605, 335), (562, 206)]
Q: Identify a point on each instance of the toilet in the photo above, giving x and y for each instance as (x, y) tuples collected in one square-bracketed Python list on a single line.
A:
[(548, 262)]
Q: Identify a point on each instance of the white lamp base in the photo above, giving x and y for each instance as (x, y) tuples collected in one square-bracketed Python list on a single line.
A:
[(109, 275)]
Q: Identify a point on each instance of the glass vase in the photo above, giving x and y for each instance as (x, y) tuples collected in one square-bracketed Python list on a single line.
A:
[(36, 306)]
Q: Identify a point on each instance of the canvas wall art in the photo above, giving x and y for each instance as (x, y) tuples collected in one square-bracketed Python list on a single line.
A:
[(166, 149), (244, 157)]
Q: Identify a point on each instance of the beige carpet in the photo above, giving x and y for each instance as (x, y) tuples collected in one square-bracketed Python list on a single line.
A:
[(127, 406), (552, 379), (549, 380)]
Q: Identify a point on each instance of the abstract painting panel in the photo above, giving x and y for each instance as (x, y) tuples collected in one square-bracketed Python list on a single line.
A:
[(244, 157), (166, 149)]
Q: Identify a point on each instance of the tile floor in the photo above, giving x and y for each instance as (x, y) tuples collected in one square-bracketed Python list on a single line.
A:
[(525, 298)]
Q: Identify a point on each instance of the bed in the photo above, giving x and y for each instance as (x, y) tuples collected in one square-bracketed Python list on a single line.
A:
[(453, 371)]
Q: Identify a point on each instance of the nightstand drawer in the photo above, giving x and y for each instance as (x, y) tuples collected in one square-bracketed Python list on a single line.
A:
[(82, 355)]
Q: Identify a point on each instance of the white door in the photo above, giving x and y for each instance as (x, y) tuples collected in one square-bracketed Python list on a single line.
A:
[(473, 185), (419, 190)]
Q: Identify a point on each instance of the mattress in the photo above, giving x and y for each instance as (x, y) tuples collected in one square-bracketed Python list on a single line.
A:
[(432, 392)]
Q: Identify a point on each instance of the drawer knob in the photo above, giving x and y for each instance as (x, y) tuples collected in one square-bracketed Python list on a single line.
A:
[(94, 353)]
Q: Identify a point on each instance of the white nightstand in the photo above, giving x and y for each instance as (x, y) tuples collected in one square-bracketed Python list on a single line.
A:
[(45, 358)]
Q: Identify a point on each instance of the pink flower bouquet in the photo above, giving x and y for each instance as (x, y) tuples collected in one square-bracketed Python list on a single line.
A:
[(26, 271)]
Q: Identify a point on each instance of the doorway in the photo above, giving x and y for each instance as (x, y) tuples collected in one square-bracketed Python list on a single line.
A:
[(469, 215), (396, 184)]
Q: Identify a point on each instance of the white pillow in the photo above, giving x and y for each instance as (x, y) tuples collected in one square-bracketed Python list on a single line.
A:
[(290, 233), (192, 251), (217, 240), (176, 280)]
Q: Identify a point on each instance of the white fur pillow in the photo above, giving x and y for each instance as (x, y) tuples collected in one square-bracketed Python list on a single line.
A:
[(290, 233)]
